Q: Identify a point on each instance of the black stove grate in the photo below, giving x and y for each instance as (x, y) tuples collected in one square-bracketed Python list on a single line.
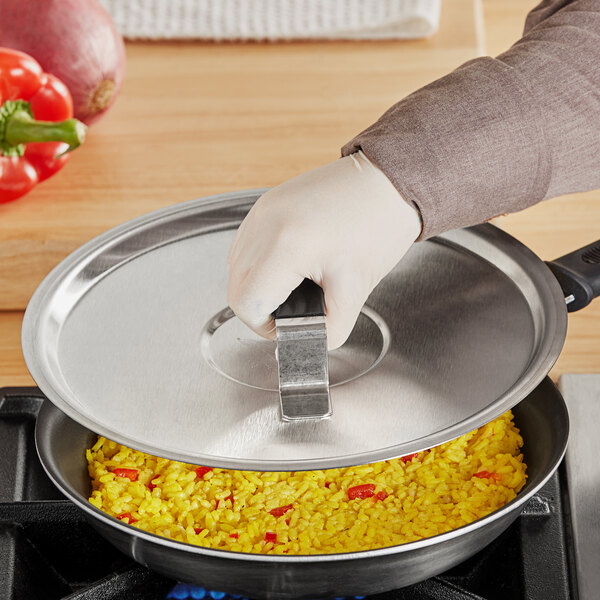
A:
[(48, 551)]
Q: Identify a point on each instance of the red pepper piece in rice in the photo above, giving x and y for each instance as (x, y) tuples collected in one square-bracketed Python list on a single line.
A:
[(202, 471), (408, 457), (488, 475), (270, 536), (131, 474), (281, 510), (127, 515), (230, 497), (366, 490)]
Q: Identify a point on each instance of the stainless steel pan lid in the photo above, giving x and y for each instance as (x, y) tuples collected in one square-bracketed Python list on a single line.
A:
[(131, 337)]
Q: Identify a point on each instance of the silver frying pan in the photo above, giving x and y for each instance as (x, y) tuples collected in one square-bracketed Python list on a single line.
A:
[(467, 326), (542, 418)]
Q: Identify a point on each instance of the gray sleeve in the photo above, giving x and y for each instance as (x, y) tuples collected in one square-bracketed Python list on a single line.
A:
[(499, 134)]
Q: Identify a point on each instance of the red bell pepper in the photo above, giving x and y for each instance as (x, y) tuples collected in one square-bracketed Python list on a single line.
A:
[(32, 150), (408, 457), (131, 474), (202, 471), (281, 510), (366, 490), (127, 516), (270, 536), (230, 498), (488, 475)]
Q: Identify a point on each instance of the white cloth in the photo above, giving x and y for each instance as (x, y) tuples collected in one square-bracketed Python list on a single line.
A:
[(275, 19)]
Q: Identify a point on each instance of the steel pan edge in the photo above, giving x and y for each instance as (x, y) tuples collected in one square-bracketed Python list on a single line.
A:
[(309, 576), (320, 579)]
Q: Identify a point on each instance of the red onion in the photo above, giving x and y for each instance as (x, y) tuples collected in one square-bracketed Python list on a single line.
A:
[(75, 40)]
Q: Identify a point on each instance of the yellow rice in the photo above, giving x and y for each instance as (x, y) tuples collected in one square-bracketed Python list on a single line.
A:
[(430, 493)]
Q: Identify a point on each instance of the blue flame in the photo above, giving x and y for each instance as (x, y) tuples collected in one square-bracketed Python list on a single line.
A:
[(183, 591)]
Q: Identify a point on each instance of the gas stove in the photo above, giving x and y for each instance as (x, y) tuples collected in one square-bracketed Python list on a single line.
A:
[(48, 551)]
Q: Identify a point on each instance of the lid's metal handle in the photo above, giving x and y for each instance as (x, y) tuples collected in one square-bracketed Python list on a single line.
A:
[(302, 354)]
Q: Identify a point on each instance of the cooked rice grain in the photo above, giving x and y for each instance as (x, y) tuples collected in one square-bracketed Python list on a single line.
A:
[(403, 500)]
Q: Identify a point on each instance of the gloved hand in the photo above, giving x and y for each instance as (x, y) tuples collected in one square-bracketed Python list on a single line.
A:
[(344, 225)]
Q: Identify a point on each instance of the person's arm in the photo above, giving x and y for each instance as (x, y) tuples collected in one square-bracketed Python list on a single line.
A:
[(492, 137), (499, 134)]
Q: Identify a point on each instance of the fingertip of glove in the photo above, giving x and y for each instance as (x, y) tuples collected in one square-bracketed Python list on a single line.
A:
[(341, 316), (264, 329), (338, 331), (335, 343)]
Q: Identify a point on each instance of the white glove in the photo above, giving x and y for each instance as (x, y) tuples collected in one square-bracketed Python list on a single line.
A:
[(344, 225)]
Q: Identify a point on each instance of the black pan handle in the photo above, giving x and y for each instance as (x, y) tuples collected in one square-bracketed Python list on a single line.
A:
[(579, 275), (307, 300)]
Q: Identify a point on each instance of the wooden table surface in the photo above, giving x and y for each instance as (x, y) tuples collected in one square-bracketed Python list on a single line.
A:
[(196, 119)]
